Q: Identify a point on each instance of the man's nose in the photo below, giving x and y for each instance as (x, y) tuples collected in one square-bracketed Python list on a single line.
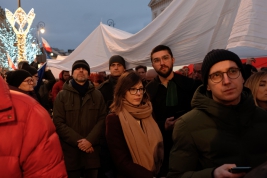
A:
[(225, 78)]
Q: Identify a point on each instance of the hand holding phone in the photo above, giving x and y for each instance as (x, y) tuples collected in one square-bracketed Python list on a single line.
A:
[(239, 169)]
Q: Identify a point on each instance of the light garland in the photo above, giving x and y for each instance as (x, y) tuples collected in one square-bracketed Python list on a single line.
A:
[(20, 18), (7, 40)]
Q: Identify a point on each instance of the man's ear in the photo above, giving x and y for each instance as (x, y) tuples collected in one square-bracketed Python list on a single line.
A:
[(208, 87)]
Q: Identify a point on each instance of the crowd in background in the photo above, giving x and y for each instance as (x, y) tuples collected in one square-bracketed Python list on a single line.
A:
[(138, 122)]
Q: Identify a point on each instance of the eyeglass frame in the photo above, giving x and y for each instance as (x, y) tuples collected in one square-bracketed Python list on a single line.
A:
[(136, 90), (164, 59), (222, 76), (29, 81)]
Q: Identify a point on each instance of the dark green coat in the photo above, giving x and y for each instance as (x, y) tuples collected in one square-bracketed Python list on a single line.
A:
[(213, 134), (76, 118)]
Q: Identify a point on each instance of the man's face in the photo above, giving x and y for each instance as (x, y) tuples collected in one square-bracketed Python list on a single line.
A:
[(116, 69), (66, 75), (162, 62), (142, 73), (80, 75), (197, 71), (228, 91)]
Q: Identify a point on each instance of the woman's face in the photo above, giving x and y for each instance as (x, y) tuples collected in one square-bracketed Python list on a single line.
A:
[(27, 84), (262, 90), (135, 94)]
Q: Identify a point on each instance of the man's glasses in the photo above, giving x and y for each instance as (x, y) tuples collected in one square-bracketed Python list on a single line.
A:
[(164, 59), (232, 73), (133, 91), (29, 81)]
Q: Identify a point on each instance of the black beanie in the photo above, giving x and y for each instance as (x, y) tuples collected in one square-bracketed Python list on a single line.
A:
[(215, 56), (80, 63), (15, 78), (30, 69), (118, 59)]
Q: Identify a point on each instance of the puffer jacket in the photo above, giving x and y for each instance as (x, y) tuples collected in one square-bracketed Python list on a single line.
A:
[(29, 145), (57, 86), (75, 118), (213, 134)]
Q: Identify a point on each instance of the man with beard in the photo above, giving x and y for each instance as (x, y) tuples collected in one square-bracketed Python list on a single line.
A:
[(79, 117), (170, 94)]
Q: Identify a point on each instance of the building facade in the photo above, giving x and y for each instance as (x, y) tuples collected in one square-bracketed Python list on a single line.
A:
[(157, 6)]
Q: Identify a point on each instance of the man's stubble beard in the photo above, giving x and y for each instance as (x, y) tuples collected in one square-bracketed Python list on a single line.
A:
[(80, 80), (165, 75)]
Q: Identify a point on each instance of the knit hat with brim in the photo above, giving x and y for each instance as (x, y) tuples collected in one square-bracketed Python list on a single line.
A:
[(117, 59), (15, 78), (215, 56), (80, 63)]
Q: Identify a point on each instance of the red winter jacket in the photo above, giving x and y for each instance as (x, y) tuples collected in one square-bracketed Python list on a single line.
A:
[(29, 145), (57, 86)]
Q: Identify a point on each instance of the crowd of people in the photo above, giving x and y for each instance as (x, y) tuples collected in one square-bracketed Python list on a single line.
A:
[(136, 123)]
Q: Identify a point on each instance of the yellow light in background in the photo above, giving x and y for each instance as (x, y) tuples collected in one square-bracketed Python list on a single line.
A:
[(21, 19), (42, 30)]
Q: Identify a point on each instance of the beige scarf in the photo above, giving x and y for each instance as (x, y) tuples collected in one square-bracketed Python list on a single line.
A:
[(145, 143)]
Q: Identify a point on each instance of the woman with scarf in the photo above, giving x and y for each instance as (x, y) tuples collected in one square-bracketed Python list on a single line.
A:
[(134, 139)]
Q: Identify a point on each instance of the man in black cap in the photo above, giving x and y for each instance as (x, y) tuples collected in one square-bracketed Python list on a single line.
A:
[(224, 129), (79, 117), (116, 68)]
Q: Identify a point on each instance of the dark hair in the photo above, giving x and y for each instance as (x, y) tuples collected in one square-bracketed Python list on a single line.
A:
[(125, 82), (140, 67), (21, 64), (160, 48), (249, 70), (264, 69)]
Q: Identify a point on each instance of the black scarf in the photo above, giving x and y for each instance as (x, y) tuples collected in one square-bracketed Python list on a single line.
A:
[(113, 80), (82, 89)]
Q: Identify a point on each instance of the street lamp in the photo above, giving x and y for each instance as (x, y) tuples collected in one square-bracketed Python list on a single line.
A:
[(40, 28), (111, 22)]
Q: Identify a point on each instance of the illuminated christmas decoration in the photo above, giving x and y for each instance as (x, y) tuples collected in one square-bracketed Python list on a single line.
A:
[(7, 40), (18, 20)]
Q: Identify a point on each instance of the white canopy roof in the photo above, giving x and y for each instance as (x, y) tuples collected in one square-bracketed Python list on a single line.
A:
[(191, 28)]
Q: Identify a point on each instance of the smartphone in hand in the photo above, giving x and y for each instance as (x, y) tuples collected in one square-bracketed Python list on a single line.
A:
[(239, 169)]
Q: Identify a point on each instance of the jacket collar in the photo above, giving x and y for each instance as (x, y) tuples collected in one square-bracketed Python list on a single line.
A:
[(231, 114)]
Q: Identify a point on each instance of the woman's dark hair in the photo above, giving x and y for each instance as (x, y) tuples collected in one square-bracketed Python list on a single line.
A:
[(125, 82)]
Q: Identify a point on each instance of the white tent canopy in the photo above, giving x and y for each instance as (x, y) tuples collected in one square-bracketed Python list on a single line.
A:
[(191, 28)]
